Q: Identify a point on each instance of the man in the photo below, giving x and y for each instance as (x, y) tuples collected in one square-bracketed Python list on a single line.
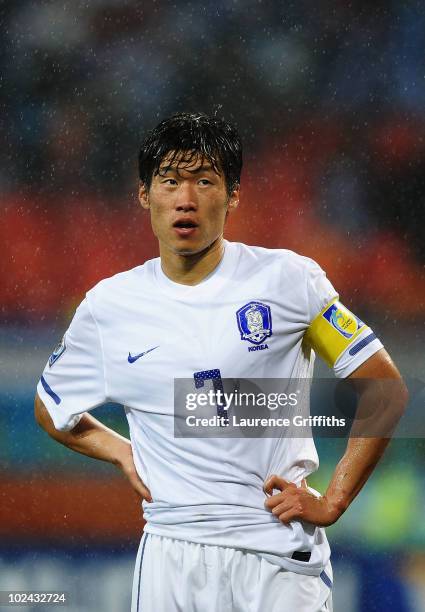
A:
[(217, 539)]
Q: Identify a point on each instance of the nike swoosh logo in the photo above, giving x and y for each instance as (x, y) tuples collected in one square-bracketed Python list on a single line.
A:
[(132, 359)]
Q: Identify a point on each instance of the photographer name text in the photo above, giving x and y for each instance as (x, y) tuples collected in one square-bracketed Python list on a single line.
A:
[(295, 421)]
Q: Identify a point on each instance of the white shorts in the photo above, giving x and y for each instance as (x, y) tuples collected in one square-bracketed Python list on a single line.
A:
[(180, 576)]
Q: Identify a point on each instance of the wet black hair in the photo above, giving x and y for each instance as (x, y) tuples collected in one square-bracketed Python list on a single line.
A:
[(195, 135)]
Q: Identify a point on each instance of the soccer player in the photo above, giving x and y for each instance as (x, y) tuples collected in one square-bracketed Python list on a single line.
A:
[(230, 522)]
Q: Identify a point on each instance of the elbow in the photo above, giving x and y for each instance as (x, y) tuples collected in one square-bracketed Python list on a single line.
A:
[(404, 396), (38, 416), (397, 398), (42, 417), (45, 421)]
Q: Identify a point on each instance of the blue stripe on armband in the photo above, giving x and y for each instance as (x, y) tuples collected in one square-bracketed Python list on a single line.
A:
[(360, 345)]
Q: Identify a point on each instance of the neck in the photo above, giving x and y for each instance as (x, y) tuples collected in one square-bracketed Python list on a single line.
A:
[(191, 269)]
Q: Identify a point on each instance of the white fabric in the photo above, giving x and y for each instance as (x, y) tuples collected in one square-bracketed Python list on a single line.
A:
[(347, 363), (77, 377), (205, 490), (179, 576)]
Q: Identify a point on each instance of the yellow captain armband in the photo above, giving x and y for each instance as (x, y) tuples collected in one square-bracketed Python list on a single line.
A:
[(332, 331)]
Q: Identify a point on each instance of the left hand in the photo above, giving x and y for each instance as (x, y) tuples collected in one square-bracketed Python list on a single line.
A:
[(297, 503)]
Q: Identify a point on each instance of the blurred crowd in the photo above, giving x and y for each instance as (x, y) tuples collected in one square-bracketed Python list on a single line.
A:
[(329, 98)]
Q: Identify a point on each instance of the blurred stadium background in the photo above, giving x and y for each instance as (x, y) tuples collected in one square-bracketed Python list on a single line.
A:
[(330, 100)]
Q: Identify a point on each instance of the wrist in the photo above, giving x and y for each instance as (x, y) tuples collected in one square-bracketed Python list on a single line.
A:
[(336, 507), (122, 455)]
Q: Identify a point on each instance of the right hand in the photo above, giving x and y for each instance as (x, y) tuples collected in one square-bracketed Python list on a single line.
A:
[(126, 465)]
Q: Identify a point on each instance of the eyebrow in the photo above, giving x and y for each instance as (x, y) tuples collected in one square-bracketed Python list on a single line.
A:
[(166, 169)]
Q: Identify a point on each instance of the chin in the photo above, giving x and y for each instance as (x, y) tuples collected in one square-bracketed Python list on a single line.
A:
[(188, 250), (190, 246)]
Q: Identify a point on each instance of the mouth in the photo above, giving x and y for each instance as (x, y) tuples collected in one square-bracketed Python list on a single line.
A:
[(185, 227)]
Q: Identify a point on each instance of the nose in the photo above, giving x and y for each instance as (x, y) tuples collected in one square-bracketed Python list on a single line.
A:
[(186, 198)]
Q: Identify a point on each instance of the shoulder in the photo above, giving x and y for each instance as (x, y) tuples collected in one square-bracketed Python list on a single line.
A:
[(294, 278), (290, 261), (121, 285)]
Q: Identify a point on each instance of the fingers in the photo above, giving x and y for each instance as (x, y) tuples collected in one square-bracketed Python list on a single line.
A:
[(141, 489), (145, 493), (282, 507), (288, 516), (288, 511), (275, 482), (285, 497), (286, 505), (138, 485), (129, 470)]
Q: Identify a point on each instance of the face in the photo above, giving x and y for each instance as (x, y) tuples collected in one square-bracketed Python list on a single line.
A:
[(188, 205)]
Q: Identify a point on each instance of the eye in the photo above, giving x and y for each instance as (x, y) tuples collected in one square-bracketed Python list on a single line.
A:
[(205, 182), (169, 181)]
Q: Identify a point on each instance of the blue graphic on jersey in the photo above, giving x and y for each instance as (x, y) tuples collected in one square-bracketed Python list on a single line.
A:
[(132, 359), (57, 352), (360, 345), (215, 376), (48, 389), (254, 322)]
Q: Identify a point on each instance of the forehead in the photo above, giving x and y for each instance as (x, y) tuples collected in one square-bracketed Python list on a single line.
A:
[(190, 161)]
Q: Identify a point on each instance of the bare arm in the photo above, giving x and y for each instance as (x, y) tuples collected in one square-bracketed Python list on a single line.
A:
[(90, 437), (359, 460)]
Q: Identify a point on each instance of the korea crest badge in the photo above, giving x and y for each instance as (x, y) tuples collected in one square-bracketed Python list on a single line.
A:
[(57, 352), (254, 322)]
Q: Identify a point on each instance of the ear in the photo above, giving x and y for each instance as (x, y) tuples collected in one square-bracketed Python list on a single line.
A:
[(234, 199), (144, 196)]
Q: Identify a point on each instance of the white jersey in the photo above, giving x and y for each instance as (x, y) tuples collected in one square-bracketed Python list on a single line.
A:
[(138, 331)]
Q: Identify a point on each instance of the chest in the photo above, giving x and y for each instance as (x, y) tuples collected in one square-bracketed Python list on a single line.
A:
[(239, 333)]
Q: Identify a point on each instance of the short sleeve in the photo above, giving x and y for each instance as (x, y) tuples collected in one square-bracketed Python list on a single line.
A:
[(73, 380), (337, 335), (319, 289)]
